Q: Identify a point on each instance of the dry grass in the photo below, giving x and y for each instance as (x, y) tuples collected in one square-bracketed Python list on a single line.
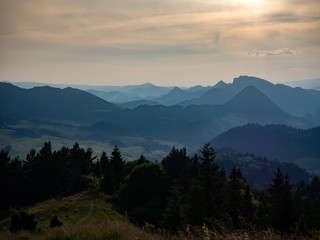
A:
[(122, 230), (87, 216)]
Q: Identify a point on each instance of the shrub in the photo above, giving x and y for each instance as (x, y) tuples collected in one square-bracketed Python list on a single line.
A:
[(22, 220)]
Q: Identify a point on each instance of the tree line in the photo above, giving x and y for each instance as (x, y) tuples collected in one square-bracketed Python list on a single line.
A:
[(176, 192)]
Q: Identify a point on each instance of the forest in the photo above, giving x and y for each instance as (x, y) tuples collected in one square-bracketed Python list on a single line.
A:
[(175, 193)]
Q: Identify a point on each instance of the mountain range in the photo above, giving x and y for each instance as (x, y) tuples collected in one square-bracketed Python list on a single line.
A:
[(295, 100), (189, 116)]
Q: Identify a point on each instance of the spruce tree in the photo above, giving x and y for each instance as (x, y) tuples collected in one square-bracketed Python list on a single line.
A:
[(117, 167), (235, 200), (211, 180), (282, 207), (107, 184)]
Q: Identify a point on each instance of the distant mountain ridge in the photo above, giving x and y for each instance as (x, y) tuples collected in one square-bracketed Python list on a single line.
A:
[(306, 84), (258, 171), (296, 101), (177, 95), (279, 142), (189, 124), (75, 114), (51, 103)]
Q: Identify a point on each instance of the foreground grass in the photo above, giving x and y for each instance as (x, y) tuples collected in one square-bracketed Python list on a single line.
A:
[(86, 216), (119, 230)]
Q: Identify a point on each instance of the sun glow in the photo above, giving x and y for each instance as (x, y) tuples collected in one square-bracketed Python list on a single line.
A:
[(248, 3)]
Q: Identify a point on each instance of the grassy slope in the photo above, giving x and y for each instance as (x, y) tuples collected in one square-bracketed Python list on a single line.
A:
[(88, 216), (84, 216), (81, 208)]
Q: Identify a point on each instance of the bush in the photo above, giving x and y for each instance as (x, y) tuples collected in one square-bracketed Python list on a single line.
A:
[(22, 220), (55, 222)]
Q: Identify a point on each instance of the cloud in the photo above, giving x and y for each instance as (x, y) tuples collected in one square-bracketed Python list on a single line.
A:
[(268, 53), (153, 33)]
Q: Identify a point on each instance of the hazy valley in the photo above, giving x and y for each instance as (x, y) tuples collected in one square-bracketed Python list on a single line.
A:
[(255, 127)]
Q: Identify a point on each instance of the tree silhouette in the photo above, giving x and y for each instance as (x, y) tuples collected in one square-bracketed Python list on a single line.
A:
[(144, 193), (211, 181), (282, 208), (178, 167), (117, 166), (107, 180)]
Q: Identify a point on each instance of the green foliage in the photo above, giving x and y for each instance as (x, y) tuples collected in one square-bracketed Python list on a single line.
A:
[(22, 220), (144, 193), (148, 227), (173, 213), (205, 232), (181, 191)]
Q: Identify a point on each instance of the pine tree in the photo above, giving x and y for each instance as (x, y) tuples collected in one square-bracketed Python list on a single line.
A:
[(117, 167), (178, 167), (282, 207), (141, 160), (107, 184), (235, 200), (211, 181)]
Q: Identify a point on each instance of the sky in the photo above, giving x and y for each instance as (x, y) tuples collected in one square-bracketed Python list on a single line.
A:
[(164, 42)]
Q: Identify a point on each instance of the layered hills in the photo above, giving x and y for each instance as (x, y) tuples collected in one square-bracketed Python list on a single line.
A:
[(279, 142), (296, 101), (79, 115), (51, 103)]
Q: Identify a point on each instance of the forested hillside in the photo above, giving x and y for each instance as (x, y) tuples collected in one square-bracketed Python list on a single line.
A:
[(179, 191), (279, 142)]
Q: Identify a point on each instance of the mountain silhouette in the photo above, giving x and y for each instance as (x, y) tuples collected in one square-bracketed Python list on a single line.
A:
[(134, 104), (279, 142), (177, 95), (190, 125), (296, 101), (252, 105), (213, 96), (52, 103)]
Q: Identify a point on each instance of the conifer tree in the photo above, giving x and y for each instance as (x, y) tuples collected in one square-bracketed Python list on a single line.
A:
[(117, 167), (235, 199), (141, 159), (211, 180), (282, 207), (178, 167), (107, 184)]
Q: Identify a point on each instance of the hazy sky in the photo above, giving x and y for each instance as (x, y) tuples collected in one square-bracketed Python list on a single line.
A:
[(166, 42)]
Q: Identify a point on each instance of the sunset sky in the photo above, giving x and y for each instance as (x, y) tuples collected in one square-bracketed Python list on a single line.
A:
[(165, 42)]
